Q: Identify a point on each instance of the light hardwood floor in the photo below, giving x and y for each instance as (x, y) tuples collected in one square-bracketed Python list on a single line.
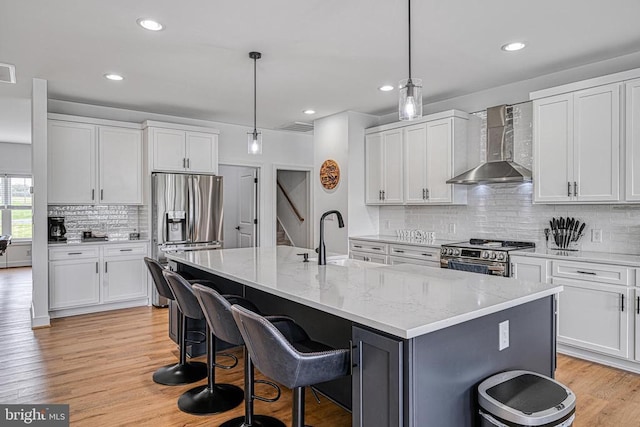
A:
[(101, 365)]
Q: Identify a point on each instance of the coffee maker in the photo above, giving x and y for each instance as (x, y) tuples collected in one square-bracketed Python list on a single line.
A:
[(57, 229)]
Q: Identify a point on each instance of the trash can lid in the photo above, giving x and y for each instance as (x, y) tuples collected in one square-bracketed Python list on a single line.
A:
[(526, 398)]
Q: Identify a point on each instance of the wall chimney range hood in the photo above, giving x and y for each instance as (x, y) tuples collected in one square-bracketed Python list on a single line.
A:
[(500, 167)]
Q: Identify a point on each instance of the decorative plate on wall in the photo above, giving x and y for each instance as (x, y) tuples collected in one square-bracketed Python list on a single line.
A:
[(329, 174)]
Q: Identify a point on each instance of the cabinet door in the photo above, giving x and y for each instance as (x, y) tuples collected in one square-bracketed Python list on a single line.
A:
[(120, 154), (597, 143), (202, 152), (439, 161), (377, 380), (392, 169), (533, 269), (74, 283), (373, 168), (71, 172), (124, 278), (633, 140), (415, 166), (594, 316), (553, 148), (168, 149)]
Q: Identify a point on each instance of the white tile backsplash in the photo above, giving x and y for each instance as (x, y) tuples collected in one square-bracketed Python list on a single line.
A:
[(505, 211), (115, 220)]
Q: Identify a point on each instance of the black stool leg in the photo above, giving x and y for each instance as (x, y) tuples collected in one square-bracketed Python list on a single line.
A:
[(211, 398), (298, 407), (182, 372), (250, 420)]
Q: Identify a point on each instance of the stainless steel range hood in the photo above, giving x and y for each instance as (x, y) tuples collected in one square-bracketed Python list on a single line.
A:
[(500, 167)]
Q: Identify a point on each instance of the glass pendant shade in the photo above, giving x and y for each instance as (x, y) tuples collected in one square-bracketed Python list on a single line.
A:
[(410, 99), (254, 142)]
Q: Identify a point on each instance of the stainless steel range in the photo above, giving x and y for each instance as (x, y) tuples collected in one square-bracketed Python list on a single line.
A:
[(481, 255)]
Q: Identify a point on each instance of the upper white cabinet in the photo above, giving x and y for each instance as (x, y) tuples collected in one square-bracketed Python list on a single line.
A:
[(94, 163), (383, 167), (179, 148), (577, 146), (632, 135), (411, 164)]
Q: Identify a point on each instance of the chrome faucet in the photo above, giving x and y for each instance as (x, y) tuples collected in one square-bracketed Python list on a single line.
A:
[(322, 252)]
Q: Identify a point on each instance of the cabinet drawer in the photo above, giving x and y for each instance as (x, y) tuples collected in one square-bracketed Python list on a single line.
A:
[(416, 252), (369, 257), (360, 246), (615, 275), (395, 260), (73, 253), (125, 250)]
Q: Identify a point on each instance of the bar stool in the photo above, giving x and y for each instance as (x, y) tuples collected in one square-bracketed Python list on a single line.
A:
[(210, 398), (290, 357), (182, 372), (217, 311)]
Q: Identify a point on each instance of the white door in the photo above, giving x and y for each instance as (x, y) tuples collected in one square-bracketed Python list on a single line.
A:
[(597, 143), (553, 148), (633, 141), (71, 173), (392, 170), (248, 220), (415, 170), (373, 168), (439, 161), (168, 149), (202, 152), (120, 154)]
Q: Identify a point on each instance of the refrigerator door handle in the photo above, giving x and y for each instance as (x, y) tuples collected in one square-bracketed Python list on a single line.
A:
[(191, 195)]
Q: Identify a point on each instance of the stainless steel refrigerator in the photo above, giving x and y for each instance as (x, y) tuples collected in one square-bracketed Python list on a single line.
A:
[(186, 213)]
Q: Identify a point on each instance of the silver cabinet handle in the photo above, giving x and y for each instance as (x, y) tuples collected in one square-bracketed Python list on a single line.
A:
[(93, 194), (105, 267), (568, 189), (586, 272), (575, 188), (96, 267), (513, 270), (101, 194), (74, 253), (188, 163), (126, 250), (184, 163)]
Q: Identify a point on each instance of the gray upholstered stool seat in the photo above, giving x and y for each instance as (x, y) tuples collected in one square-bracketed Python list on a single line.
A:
[(211, 398), (183, 372), (217, 311), (285, 353)]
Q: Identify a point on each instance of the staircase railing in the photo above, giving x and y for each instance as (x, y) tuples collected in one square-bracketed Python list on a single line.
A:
[(293, 206)]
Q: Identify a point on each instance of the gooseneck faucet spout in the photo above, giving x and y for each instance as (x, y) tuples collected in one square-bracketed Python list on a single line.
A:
[(322, 252)]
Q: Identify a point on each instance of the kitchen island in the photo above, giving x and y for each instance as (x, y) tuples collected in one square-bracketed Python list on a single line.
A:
[(423, 338)]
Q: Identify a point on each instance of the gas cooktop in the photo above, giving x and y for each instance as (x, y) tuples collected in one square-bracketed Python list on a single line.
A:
[(494, 245)]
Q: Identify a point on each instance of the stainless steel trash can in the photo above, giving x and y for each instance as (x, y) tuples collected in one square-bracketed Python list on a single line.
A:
[(524, 398)]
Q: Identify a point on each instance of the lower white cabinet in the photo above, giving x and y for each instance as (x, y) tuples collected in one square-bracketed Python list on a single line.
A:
[(393, 254), (532, 269), (88, 278), (636, 313), (364, 256)]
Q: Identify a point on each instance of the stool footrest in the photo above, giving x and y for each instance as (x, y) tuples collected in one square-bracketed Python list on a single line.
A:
[(235, 361), (268, 399)]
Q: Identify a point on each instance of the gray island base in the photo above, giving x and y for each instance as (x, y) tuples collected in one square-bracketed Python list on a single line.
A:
[(422, 339)]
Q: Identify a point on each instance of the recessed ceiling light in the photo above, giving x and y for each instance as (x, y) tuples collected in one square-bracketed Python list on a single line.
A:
[(512, 47), (149, 24), (115, 77), (386, 88), (309, 112)]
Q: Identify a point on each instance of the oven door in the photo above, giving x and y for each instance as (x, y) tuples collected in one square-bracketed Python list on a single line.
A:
[(493, 268)]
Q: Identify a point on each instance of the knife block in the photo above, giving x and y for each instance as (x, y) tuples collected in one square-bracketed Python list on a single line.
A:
[(569, 245)]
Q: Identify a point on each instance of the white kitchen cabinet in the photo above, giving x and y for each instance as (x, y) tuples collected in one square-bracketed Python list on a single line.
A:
[(635, 306), (93, 164), (177, 148), (369, 257), (594, 316), (393, 254), (74, 277), (632, 138), (528, 268), (383, 167), (432, 152), (125, 276), (576, 146)]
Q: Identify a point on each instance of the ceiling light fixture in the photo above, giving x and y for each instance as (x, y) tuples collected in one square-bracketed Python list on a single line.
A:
[(114, 77), (512, 47), (386, 88), (255, 137), (149, 24), (410, 99), (309, 112)]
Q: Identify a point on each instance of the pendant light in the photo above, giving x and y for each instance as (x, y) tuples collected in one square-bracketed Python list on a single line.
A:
[(255, 137), (410, 99)]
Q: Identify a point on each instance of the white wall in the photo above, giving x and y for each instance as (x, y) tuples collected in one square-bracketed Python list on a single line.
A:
[(15, 158), (278, 148)]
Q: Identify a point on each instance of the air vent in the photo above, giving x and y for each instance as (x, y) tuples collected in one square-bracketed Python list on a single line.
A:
[(298, 127), (7, 73)]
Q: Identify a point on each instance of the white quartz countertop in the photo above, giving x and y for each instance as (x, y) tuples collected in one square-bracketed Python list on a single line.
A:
[(630, 260), (403, 241), (403, 300), (99, 242)]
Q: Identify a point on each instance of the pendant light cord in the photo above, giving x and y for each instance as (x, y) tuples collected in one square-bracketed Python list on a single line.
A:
[(255, 102), (409, 14)]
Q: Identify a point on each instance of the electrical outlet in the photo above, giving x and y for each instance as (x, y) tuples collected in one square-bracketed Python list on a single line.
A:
[(452, 228), (596, 235), (503, 332)]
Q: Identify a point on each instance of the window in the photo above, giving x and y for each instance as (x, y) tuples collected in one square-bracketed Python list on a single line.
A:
[(15, 206)]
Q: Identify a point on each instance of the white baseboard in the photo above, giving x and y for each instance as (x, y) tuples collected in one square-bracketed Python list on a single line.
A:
[(624, 364), (39, 321), (141, 302)]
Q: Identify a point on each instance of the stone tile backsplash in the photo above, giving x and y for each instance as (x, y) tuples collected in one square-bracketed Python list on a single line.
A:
[(505, 211), (115, 220)]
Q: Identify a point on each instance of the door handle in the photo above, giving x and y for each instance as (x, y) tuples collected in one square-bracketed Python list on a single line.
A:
[(101, 194), (638, 307), (96, 267), (126, 250), (379, 194), (188, 163), (586, 272), (424, 194), (238, 228), (384, 197), (93, 194), (622, 302), (575, 189), (105, 267), (427, 191), (568, 189)]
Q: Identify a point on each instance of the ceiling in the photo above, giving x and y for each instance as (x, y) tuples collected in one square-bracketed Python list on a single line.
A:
[(328, 55)]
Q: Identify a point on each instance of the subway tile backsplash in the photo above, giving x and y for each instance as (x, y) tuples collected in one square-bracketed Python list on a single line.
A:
[(505, 211), (115, 220)]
